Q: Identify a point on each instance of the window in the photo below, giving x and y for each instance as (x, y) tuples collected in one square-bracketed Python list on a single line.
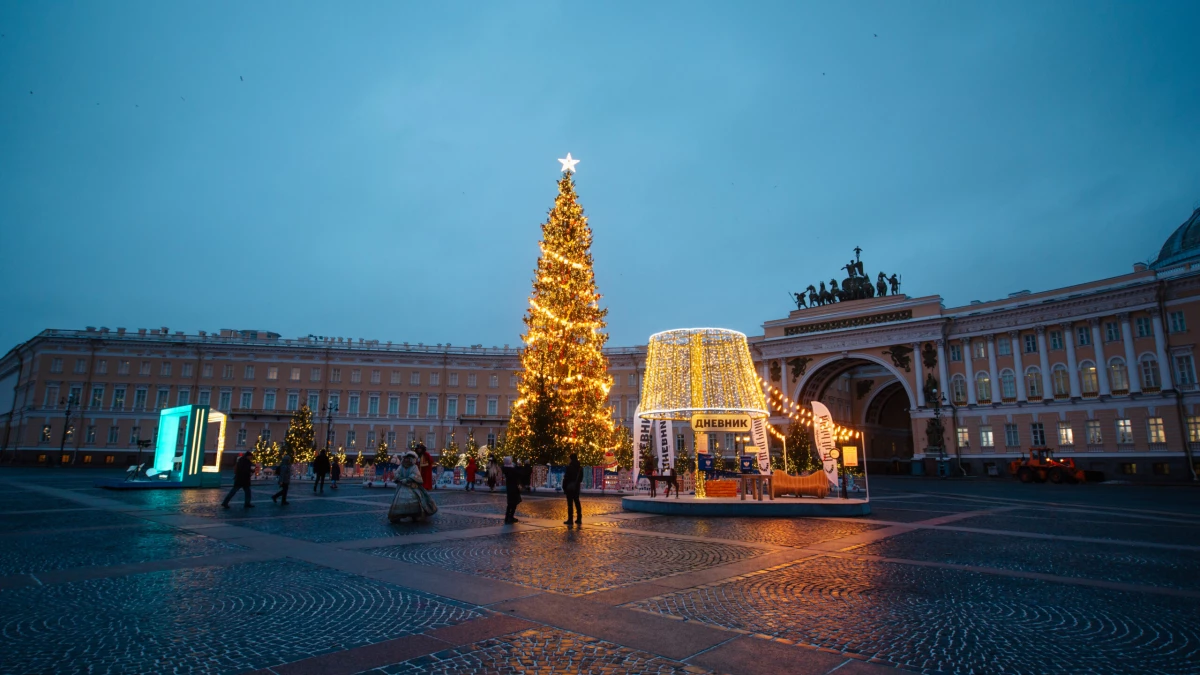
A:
[(958, 390), (1193, 428), (123, 368), (355, 376), (97, 397), (373, 404), (51, 397), (470, 379), (314, 375), (241, 437), (431, 407), (1128, 468), (75, 395), (205, 397), (335, 402), (247, 399), (371, 439), (1008, 385), (161, 402), (1056, 341), (375, 376), (391, 439), (207, 371), (185, 370), (491, 440), (1112, 331), (1094, 436), (224, 400), (1061, 381), (1083, 336), (964, 439), (56, 365), (114, 435), (1155, 432), (1124, 432), (1150, 372), (452, 408), (295, 375), (165, 369), (1087, 380), (680, 443), (633, 379), (185, 396), (1178, 324), (413, 403), (1030, 344), (45, 437), (431, 440), (491, 409), (90, 436), (1144, 328), (470, 406), (102, 367), (512, 381), (1184, 375), (119, 398), (978, 349), (453, 379), (1162, 468), (293, 401), (335, 374), (248, 373), (1037, 433), (226, 372), (983, 388), (352, 408), (144, 368), (265, 435), (1118, 375), (81, 366), (314, 400), (351, 438), (955, 353), (269, 400), (1004, 346), (493, 381), (1033, 383), (435, 379), (1066, 435), (139, 399), (395, 377), (394, 406), (414, 378), (135, 435), (986, 440)]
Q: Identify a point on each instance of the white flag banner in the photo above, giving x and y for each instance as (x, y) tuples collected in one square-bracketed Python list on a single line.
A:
[(643, 435), (758, 431), (666, 449), (823, 431)]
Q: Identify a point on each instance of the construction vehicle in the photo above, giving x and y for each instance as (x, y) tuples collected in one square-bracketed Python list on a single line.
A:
[(1041, 466)]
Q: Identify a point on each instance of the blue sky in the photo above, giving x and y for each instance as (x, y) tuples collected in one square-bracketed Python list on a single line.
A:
[(380, 170)]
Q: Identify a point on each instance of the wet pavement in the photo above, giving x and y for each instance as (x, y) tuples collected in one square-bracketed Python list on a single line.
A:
[(942, 577)]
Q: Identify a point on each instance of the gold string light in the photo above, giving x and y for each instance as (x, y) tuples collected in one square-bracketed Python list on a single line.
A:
[(700, 370)]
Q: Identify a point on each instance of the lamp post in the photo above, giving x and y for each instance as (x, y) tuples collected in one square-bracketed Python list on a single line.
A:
[(62, 446), (330, 410)]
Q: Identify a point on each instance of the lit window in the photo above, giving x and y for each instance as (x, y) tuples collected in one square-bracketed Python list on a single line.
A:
[(1178, 323), (1066, 435), (1129, 468), (1033, 383), (371, 439), (351, 438), (1124, 432), (1193, 428), (983, 388), (295, 376), (1155, 431), (1118, 375), (161, 401), (986, 439), (964, 440), (45, 437), (1094, 435), (1037, 434), (1088, 379)]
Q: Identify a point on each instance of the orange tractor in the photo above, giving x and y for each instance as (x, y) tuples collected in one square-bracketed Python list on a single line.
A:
[(1041, 466)]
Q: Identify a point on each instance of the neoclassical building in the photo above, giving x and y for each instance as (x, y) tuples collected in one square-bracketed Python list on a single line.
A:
[(1103, 371)]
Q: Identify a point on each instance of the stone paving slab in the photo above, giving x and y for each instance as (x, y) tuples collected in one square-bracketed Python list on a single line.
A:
[(1099, 526), (553, 508), (1134, 565), (935, 620), (568, 560), (348, 527), (62, 520), (265, 508), (35, 552), (210, 620), (797, 532)]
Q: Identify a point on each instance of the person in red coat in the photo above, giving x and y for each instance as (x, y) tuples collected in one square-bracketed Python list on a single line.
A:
[(425, 463), (471, 467)]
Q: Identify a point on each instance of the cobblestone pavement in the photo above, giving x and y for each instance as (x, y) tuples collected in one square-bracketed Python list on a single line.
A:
[(1108, 562), (554, 507), (778, 531), (539, 650), (1096, 525), (938, 620), (57, 520), (209, 620), (369, 525), (570, 561)]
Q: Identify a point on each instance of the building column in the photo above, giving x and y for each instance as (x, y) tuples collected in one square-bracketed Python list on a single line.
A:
[(1044, 362), (1015, 338), (1160, 349), (992, 372), (1132, 371), (966, 345), (920, 375), (942, 370), (1101, 366), (1072, 363)]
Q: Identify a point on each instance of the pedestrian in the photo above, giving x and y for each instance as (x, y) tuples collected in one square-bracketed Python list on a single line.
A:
[(513, 476), (320, 467), (241, 478), (572, 482), (411, 500), (472, 466), (493, 473), (425, 466), (335, 471), (284, 474)]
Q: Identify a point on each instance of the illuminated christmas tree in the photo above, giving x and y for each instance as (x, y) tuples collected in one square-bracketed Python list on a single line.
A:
[(381, 452), (562, 406), (450, 454), (299, 439)]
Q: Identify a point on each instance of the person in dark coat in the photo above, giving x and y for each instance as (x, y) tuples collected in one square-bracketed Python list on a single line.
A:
[(285, 478), (572, 483), (241, 478), (320, 467), (335, 471), (513, 477)]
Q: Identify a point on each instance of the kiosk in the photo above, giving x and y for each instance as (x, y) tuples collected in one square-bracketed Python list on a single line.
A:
[(179, 455)]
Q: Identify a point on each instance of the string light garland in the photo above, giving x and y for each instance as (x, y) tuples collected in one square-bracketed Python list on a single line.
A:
[(700, 370), (800, 415)]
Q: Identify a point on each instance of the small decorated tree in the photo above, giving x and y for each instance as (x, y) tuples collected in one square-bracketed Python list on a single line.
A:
[(623, 439), (340, 455), (472, 449), (799, 454), (358, 460), (450, 454), (381, 452), (266, 453)]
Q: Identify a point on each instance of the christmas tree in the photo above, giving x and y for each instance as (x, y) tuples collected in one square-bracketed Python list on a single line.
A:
[(299, 439), (381, 452), (450, 454), (562, 404), (266, 452), (473, 449), (623, 439), (799, 455)]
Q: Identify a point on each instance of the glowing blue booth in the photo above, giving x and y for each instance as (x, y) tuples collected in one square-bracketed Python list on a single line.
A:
[(179, 448)]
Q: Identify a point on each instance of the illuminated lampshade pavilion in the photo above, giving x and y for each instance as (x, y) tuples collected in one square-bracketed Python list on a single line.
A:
[(700, 370)]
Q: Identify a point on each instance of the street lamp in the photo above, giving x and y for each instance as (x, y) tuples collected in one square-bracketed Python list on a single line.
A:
[(330, 410), (62, 446)]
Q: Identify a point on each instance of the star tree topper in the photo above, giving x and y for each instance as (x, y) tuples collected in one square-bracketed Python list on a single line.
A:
[(568, 164)]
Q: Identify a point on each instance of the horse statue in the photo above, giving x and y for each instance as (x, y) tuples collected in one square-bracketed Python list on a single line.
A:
[(813, 298), (881, 285), (833, 290), (825, 296)]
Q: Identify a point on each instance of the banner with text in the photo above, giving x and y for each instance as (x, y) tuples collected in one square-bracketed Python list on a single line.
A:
[(823, 432), (758, 431), (715, 423), (666, 446), (643, 436)]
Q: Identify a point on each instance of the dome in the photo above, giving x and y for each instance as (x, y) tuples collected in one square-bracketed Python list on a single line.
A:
[(1183, 244)]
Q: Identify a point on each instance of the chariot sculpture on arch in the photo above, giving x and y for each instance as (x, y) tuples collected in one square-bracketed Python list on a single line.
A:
[(857, 285)]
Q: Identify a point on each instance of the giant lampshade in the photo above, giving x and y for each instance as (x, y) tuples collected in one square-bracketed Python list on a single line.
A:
[(691, 371)]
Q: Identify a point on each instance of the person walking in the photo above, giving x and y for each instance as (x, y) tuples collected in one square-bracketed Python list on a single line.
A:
[(472, 466), (241, 478), (513, 475), (493, 473), (572, 483), (320, 467), (335, 471), (285, 479), (425, 466)]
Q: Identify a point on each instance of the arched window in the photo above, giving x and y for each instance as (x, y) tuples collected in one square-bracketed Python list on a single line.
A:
[(1150, 378), (1062, 381), (1008, 385), (1088, 379), (1118, 375), (1033, 383), (983, 388), (958, 389)]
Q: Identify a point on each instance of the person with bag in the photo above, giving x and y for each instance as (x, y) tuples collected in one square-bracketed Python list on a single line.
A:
[(284, 473), (241, 478), (572, 483), (320, 467)]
